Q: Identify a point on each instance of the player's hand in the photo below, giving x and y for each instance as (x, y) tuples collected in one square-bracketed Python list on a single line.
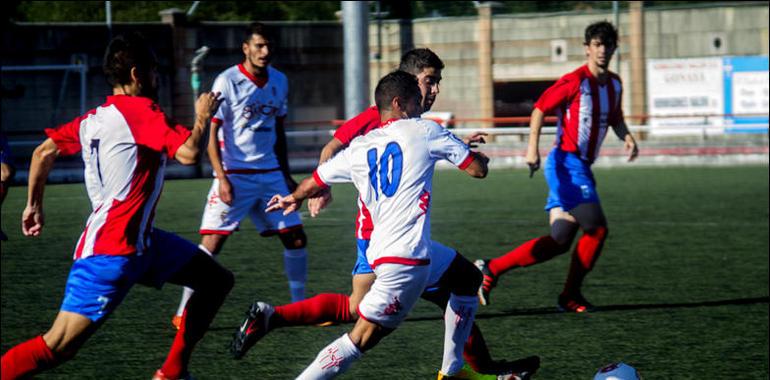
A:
[(226, 193), (32, 221), (631, 148), (207, 104), (319, 202), (287, 203), (476, 138), (533, 161)]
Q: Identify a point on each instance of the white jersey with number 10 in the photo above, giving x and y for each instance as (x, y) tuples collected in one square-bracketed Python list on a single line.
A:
[(392, 168)]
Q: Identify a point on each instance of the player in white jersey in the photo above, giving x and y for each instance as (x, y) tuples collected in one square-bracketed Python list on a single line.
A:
[(124, 143), (247, 148), (392, 168)]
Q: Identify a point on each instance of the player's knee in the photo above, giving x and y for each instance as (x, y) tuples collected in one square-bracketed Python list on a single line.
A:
[(589, 216), (295, 239), (227, 282), (465, 278), (563, 232)]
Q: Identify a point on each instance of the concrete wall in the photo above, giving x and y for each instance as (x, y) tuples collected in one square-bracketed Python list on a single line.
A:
[(522, 45), (311, 55)]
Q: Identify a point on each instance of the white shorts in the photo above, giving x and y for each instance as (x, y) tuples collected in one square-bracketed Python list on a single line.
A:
[(393, 294), (251, 192)]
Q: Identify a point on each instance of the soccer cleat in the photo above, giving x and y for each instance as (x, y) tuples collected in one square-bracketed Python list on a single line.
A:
[(518, 370), (160, 376), (521, 369), (253, 328), (490, 281), (176, 321), (574, 303)]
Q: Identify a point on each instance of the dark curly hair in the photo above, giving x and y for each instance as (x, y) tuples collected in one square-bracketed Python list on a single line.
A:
[(604, 31), (396, 84), (415, 60), (125, 52)]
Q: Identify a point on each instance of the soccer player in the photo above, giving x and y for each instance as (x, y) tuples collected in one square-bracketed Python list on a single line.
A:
[(124, 143), (586, 101), (7, 171), (392, 168), (247, 148), (339, 308)]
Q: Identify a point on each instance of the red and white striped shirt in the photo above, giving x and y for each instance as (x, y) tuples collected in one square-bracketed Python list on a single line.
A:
[(359, 126), (584, 108), (124, 143)]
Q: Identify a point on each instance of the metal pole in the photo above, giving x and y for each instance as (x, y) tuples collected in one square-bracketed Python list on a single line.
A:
[(616, 16), (83, 70), (108, 16), (355, 25), (193, 7)]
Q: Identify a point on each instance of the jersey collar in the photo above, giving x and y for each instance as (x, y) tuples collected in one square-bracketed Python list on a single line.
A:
[(258, 81), (388, 122)]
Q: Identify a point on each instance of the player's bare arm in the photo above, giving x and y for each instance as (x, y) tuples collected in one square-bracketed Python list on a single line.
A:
[(43, 159), (205, 106), (282, 152), (226, 193), (324, 197), (292, 202), (533, 147), (629, 143)]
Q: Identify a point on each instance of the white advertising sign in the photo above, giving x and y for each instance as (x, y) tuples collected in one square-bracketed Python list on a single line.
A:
[(685, 87)]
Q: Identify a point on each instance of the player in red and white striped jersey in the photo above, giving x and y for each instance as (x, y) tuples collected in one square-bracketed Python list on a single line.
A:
[(586, 102), (125, 144)]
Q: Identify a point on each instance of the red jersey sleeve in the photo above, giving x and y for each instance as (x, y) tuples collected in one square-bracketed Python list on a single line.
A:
[(556, 95), (151, 127), (358, 126), (67, 135)]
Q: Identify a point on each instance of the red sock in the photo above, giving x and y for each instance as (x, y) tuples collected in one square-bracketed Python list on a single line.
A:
[(27, 359), (325, 307), (197, 316), (587, 250), (532, 252), (476, 352)]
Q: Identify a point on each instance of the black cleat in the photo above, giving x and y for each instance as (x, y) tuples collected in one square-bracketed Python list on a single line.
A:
[(489, 282), (253, 328)]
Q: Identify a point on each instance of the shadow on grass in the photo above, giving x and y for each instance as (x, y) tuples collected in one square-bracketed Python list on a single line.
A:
[(609, 308), (599, 309)]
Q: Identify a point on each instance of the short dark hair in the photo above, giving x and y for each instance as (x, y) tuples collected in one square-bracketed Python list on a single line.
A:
[(124, 52), (396, 84), (415, 60), (604, 31), (259, 29)]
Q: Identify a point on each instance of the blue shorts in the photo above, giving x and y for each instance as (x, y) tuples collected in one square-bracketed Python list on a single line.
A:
[(570, 181), (97, 284), (362, 265)]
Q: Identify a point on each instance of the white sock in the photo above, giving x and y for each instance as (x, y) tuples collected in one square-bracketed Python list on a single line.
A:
[(333, 360), (295, 266), (187, 292), (458, 320)]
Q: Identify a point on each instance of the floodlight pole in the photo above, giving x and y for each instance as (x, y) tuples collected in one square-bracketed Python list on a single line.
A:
[(355, 28), (108, 16), (196, 67)]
